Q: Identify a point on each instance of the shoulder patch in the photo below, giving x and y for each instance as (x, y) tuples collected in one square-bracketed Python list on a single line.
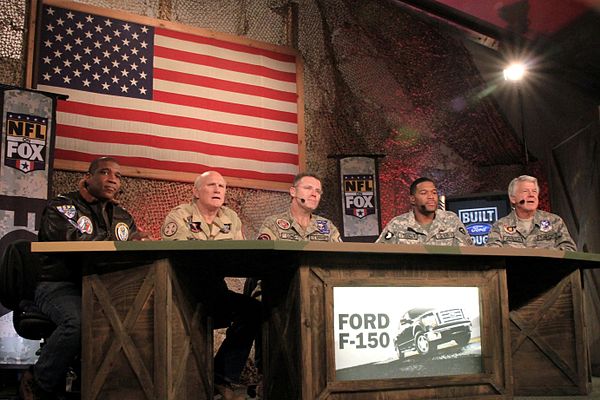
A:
[(68, 210), (264, 236), (509, 229), (226, 228), (170, 229), (122, 231), (283, 223)]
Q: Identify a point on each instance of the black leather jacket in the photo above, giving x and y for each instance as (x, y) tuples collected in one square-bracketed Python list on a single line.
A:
[(78, 216)]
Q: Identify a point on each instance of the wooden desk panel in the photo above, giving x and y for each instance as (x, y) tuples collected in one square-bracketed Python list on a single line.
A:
[(145, 339)]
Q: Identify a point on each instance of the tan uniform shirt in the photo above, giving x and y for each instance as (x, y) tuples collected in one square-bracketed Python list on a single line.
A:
[(548, 231), (284, 227), (185, 222)]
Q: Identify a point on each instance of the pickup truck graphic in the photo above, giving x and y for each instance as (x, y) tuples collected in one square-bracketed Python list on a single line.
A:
[(423, 329)]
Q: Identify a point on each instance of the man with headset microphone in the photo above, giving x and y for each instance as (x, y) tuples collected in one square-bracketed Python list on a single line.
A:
[(526, 226)]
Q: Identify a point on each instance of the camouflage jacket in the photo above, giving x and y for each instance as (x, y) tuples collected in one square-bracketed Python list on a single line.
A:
[(284, 227), (445, 230), (549, 232), (185, 222)]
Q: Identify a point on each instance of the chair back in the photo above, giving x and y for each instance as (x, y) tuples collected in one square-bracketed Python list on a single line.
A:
[(19, 270)]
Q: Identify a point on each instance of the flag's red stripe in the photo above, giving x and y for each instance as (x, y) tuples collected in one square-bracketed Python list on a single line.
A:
[(174, 121), (125, 138), (203, 59), (226, 45), (217, 105), (173, 166), (221, 84)]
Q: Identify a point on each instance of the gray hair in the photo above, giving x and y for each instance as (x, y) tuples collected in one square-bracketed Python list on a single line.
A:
[(523, 178)]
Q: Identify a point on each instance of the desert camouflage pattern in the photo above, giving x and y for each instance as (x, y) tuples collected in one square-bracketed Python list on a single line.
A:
[(185, 222), (446, 230), (284, 227), (548, 232)]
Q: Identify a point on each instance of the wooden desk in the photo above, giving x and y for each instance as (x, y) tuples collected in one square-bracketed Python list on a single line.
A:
[(143, 338)]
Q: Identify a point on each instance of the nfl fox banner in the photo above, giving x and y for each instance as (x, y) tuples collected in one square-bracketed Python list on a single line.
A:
[(27, 135), (360, 198), (25, 160), (169, 101)]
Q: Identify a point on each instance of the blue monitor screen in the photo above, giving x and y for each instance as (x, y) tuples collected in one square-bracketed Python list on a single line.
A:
[(478, 212)]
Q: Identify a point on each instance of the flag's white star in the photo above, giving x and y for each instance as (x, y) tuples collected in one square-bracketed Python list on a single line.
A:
[(46, 76), (58, 38), (57, 70), (67, 63), (48, 43), (77, 57), (124, 89), (57, 54), (66, 79), (134, 66), (105, 86), (124, 72), (77, 73), (133, 82), (96, 76), (50, 11), (89, 19), (145, 29), (107, 38), (78, 41), (87, 50), (60, 21), (105, 70), (144, 44), (70, 15), (143, 90), (69, 31), (126, 27), (142, 75), (106, 54), (50, 27), (108, 22), (96, 60), (46, 60), (143, 60), (115, 79), (79, 25), (86, 83), (116, 48), (86, 66), (98, 28)]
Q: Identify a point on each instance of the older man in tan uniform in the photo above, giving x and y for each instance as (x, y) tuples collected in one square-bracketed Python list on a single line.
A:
[(206, 218)]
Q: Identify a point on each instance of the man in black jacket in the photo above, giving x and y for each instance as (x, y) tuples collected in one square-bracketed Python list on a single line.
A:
[(91, 213)]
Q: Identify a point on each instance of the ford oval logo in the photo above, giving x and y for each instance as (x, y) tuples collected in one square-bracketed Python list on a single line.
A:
[(479, 229)]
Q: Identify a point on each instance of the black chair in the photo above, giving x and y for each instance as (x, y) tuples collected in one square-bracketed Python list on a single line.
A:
[(18, 276)]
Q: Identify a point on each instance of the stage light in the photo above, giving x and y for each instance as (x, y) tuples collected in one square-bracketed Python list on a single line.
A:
[(515, 72)]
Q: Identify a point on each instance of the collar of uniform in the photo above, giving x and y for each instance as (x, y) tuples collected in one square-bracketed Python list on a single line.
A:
[(310, 228), (220, 219)]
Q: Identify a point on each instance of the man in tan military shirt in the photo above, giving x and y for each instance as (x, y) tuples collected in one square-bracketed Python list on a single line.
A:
[(206, 218), (299, 222)]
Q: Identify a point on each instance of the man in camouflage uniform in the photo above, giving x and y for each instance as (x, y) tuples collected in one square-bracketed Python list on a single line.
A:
[(206, 218), (526, 226), (424, 223), (299, 222)]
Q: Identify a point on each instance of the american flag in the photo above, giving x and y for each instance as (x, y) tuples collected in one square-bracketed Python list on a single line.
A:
[(169, 102)]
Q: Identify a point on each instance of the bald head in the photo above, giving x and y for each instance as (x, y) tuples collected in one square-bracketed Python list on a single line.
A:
[(209, 190)]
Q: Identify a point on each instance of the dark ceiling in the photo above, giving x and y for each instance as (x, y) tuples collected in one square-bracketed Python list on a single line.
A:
[(564, 34)]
